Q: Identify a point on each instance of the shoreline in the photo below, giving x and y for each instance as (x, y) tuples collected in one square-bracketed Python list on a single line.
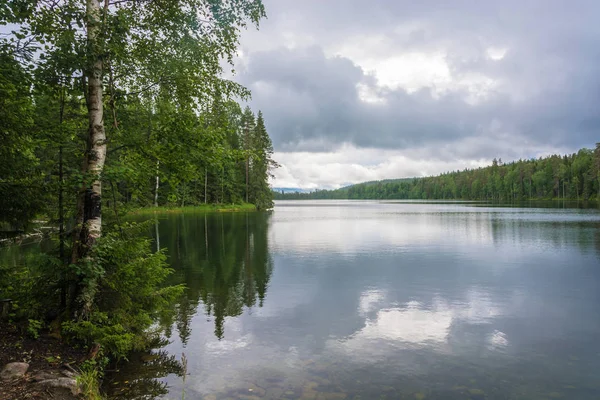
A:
[(48, 357), (244, 207)]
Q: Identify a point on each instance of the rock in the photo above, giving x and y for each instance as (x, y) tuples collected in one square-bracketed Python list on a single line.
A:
[(13, 371), (44, 376), (52, 374), (61, 383), (68, 374)]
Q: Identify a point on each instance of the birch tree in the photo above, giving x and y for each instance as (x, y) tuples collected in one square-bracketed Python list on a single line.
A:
[(125, 47)]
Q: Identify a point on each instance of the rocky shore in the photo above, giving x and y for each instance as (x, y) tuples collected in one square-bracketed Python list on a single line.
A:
[(43, 368)]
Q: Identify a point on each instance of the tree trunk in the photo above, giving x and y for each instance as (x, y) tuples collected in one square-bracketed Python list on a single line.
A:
[(206, 236), (61, 210), (156, 185), (247, 148), (89, 211), (183, 195), (247, 170), (205, 184), (157, 232)]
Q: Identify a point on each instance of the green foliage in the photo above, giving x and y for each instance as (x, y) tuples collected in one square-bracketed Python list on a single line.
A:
[(174, 139), (575, 176), (261, 166), (33, 328), (24, 280), (172, 124), (128, 292), (202, 208), (88, 381), (19, 165)]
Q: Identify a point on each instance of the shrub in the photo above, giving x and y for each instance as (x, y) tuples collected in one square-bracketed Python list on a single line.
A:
[(127, 292)]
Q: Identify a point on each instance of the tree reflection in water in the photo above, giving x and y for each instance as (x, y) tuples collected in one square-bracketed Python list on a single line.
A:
[(224, 262)]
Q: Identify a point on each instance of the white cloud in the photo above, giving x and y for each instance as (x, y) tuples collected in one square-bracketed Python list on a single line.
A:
[(496, 53), (448, 87), (349, 164)]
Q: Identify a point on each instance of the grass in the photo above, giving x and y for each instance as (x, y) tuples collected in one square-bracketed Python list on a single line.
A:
[(89, 383), (198, 208)]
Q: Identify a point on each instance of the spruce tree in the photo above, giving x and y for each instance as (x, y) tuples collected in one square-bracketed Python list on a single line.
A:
[(261, 166)]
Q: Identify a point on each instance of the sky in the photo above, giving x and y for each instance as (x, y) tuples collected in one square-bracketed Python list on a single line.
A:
[(357, 90)]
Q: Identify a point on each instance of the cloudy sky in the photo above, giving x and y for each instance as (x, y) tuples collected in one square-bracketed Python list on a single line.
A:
[(357, 90)]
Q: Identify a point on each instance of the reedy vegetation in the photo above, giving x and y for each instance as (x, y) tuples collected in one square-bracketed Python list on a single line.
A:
[(107, 106), (573, 177)]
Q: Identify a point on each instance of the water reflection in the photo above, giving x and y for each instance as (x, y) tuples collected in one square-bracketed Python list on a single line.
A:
[(365, 299), (142, 380), (354, 227), (224, 261)]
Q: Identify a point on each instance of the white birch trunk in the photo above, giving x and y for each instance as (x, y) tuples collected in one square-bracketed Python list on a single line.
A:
[(157, 184), (97, 135), (89, 209)]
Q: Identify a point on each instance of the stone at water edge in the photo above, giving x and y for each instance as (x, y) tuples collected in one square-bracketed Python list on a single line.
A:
[(61, 383), (52, 374), (14, 370)]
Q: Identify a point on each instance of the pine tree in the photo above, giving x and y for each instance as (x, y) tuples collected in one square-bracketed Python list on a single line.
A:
[(261, 166)]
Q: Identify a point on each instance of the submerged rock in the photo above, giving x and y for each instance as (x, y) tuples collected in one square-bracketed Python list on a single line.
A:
[(13, 371)]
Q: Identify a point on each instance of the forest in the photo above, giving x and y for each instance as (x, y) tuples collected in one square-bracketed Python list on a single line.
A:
[(569, 177), (105, 107)]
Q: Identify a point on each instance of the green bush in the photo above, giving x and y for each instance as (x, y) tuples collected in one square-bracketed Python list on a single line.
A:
[(126, 289), (33, 328)]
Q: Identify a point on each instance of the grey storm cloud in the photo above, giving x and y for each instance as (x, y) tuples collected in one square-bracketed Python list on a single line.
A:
[(309, 96), (548, 82)]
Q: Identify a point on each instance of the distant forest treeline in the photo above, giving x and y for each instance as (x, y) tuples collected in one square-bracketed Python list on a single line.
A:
[(574, 176)]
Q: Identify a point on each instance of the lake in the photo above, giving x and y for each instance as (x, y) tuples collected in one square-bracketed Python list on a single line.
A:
[(378, 300)]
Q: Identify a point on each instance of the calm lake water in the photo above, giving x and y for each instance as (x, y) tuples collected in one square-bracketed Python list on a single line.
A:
[(378, 300)]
